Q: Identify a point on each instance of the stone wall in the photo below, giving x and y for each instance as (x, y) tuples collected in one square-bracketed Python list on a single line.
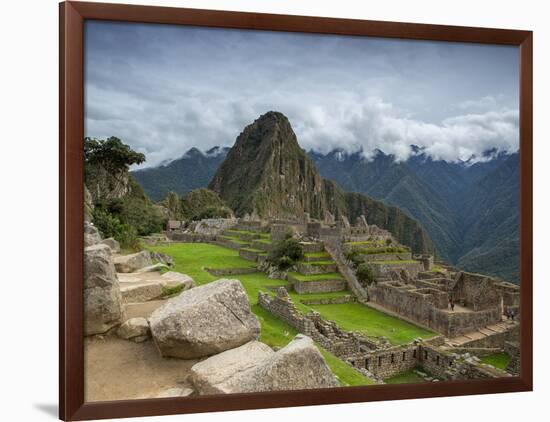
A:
[(428, 307), (513, 350), (329, 336), (405, 256), (475, 291), (383, 270), (311, 268), (321, 286), (220, 272), (426, 260), (497, 340), (248, 254), (188, 237), (330, 300), (334, 249), (452, 366), (389, 362)]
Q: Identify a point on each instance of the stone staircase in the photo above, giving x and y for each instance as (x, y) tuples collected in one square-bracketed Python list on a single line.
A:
[(482, 335)]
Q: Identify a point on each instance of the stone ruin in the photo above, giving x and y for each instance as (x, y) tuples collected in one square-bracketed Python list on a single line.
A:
[(339, 342)]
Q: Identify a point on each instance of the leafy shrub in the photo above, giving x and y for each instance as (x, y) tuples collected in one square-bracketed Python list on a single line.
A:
[(389, 241), (354, 255), (286, 253), (365, 275), (110, 226)]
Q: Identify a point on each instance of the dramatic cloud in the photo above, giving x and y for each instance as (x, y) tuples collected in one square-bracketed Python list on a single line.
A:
[(165, 89)]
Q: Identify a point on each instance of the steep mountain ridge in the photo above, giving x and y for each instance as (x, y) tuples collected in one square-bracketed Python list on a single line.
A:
[(267, 173)]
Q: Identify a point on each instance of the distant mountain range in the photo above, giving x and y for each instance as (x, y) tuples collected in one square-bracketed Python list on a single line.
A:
[(192, 170), (469, 209)]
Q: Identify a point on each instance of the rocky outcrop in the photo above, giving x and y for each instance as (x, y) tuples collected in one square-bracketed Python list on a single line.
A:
[(135, 329), (204, 321), (91, 234), (103, 308), (112, 243), (133, 262), (254, 368)]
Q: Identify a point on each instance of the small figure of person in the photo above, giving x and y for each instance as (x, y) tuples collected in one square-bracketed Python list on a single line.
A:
[(512, 314), (452, 305)]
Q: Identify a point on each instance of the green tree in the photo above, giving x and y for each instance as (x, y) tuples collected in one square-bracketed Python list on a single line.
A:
[(286, 253), (111, 153), (365, 275)]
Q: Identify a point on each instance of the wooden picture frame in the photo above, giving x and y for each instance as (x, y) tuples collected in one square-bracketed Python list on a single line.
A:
[(71, 129)]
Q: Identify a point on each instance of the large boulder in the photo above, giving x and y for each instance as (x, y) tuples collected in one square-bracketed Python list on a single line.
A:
[(210, 375), (103, 307), (204, 321), (136, 287), (298, 366), (133, 262)]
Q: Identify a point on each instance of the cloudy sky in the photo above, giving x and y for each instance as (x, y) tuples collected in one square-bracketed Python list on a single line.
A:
[(164, 89)]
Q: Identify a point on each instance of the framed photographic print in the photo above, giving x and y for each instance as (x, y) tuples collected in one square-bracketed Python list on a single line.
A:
[(269, 210)]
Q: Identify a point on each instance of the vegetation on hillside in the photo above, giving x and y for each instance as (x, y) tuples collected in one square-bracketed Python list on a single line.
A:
[(121, 209), (286, 253), (196, 205)]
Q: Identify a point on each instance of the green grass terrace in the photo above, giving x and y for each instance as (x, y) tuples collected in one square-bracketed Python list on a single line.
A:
[(194, 258)]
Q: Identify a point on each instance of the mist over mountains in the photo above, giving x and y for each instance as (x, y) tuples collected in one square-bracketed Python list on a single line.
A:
[(470, 210)]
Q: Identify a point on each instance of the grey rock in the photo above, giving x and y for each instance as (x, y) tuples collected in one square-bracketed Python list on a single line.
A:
[(205, 320), (136, 329), (103, 308), (297, 366), (162, 258), (174, 278), (133, 262), (91, 234), (112, 243), (210, 375), (99, 270)]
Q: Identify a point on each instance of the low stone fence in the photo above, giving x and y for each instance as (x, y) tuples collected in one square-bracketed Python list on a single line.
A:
[(389, 362), (369, 257), (330, 300), (266, 247), (312, 247), (226, 243), (342, 344), (248, 254), (312, 268), (451, 366), (335, 251), (220, 272), (188, 237), (318, 286)]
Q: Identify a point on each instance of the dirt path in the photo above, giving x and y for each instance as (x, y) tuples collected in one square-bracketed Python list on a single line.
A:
[(118, 369)]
